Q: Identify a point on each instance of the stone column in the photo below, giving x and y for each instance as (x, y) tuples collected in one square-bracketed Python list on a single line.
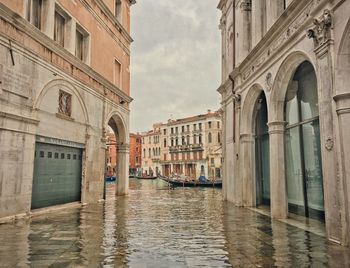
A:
[(274, 9), (278, 191), (244, 31), (123, 169), (343, 112), (258, 21), (237, 158), (248, 169)]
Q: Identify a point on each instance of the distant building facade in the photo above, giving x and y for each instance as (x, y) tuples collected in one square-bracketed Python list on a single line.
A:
[(286, 108), (151, 151), (189, 146), (64, 77), (135, 153)]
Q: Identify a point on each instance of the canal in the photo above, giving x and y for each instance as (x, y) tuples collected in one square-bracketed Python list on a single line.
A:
[(158, 227)]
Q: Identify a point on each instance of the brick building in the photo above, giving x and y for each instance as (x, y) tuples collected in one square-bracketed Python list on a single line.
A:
[(64, 77)]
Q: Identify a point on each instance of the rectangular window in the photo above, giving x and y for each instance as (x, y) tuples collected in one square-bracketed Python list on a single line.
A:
[(62, 155), (68, 156), (194, 127), (65, 103), (183, 129), (79, 45), (117, 73), (42, 154), (74, 157), (200, 126), (200, 155), (209, 124), (56, 155), (35, 12), (59, 29), (164, 131), (118, 9), (218, 124), (49, 155)]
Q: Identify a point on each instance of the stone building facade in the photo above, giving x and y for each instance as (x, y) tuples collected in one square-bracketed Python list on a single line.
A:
[(64, 77), (150, 162), (189, 146), (286, 103)]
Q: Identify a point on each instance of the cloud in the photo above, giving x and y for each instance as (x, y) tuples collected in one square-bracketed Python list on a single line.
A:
[(175, 66)]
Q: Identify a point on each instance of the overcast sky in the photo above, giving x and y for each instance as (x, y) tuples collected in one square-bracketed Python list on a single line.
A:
[(175, 61)]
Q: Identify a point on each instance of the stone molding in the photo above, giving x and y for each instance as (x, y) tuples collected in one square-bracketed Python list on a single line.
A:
[(21, 25), (247, 138), (19, 118), (343, 103)]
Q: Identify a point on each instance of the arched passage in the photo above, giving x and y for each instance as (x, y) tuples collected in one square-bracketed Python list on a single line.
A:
[(117, 124), (293, 103), (303, 163), (255, 148)]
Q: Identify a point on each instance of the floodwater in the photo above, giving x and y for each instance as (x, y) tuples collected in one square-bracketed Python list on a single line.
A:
[(158, 227)]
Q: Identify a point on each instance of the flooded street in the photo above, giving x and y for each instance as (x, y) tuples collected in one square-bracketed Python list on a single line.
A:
[(158, 227)]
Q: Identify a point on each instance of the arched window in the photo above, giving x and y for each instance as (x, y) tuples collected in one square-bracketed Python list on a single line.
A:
[(219, 138), (149, 152), (144, 153), (302, 144), (200, 139), (194, 139)]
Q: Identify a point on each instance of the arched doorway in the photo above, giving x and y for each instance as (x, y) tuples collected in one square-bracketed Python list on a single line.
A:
[(303, 167), (262, 163), (119, 166)]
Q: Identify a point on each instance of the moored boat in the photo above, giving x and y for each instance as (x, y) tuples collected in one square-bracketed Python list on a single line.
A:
[(178, 182), (146, 177)]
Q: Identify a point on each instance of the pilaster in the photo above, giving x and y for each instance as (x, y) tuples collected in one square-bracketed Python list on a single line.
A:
[(278, 190)]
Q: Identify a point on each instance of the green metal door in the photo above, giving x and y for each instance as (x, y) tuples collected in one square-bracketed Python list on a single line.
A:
[(57, 175)]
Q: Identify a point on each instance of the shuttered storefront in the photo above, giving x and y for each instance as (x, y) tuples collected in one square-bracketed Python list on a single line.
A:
[(57, 175)]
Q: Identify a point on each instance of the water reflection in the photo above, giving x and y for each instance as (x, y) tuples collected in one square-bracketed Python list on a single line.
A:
[(158, 227)]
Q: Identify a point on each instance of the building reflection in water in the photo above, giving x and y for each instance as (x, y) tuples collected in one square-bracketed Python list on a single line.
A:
[(164, 228)]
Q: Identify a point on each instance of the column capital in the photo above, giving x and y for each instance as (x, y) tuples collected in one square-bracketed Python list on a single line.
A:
[(276, 127), (342, 103), (123, 147)]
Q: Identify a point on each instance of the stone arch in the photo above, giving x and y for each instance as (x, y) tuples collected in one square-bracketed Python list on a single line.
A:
[(247, 140), (67, 86), (280, 85), (248, 108), (117, 122)]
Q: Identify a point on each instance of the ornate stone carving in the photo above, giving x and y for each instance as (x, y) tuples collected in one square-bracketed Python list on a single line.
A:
[(329, 143), (246, 5), (322, 30), (268, 81)]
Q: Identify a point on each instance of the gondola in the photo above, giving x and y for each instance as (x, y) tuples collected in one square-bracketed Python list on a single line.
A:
[(187, 183), (146, 177)]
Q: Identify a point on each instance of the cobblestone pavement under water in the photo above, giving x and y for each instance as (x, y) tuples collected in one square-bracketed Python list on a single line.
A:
[(158, 227)]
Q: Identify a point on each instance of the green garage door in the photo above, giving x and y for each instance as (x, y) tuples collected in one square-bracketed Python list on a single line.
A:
[(57, 175)]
